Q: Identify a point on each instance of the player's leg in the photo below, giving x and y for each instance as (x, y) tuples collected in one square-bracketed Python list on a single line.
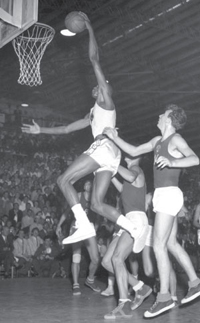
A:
[(75, 267), (162, 229), (184, 260), (92, 248), (107, 264), (100, 186), (82, 166)]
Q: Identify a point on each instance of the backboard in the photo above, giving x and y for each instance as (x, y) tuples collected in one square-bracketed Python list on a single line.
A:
[(15, 17)]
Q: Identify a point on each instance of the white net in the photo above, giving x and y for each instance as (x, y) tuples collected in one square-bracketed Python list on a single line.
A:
[(30, 47)]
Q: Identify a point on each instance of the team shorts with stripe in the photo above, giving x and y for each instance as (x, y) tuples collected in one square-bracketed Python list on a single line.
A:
[(106, 154)]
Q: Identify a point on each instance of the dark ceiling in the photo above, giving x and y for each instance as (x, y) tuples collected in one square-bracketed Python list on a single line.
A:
[(149, 51)]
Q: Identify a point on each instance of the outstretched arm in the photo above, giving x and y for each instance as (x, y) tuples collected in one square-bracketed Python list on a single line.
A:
[(104, 98), (74, 126), (128, 148)]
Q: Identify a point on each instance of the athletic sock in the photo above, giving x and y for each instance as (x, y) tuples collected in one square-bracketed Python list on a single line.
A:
[(79, 214), (138, 286), (111, 281), (123, 300)]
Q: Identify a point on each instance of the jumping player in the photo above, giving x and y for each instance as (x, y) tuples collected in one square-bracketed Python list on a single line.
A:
[(102, 158)]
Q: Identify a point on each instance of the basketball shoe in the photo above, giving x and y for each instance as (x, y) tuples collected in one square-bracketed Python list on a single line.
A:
[(79, 233), (123, 310)]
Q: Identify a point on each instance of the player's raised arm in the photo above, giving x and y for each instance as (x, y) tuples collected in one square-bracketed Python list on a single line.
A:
[(74, 126), (104, 98)]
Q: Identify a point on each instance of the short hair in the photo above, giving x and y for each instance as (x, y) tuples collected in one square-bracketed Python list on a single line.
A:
[(177, 116)]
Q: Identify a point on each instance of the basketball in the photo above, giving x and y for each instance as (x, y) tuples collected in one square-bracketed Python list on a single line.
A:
[(74, 22)]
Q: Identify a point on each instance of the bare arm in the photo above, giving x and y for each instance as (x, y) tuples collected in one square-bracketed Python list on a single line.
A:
[(104, 98), (128, 175), (74, 126), (117, 184), (128, 148)]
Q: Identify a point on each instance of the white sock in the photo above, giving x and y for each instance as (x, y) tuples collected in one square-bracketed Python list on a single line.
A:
[(111, 281), (138, 286), (124, 223), (79, 214), (175, 298), (123, 300)]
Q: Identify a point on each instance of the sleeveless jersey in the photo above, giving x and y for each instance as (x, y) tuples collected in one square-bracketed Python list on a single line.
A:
[(133, 198), (101, 118), (167, 176)]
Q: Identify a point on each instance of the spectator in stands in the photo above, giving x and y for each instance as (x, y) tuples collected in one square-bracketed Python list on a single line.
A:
[(15, 215), (45, 258), (27, 219), (23, 261), (33, 242), (6, 256), (36, 224)]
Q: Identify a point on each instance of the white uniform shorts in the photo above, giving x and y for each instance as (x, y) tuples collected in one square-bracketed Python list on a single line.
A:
[(149, 239), (168, 200), (139, 219), (106, 154)]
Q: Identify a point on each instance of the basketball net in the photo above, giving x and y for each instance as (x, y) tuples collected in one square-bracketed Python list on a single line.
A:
[(30, 47)]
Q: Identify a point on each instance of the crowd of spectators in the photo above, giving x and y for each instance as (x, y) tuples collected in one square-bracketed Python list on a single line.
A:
[(31, 205)]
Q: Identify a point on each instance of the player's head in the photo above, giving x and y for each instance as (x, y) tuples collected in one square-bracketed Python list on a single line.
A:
[(177, 115), (87, 186)]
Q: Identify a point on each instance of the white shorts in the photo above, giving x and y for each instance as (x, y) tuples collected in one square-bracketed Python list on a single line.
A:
[(149, 239), (106, 154), (168, 200), (138, 218)]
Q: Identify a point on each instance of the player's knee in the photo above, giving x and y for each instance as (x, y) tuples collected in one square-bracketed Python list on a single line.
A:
[(76, 258), (106, 263), (96, 206), (116, 259)]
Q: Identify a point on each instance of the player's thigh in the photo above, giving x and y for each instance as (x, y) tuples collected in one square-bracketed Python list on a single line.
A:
[(81, 166), (162, 228)]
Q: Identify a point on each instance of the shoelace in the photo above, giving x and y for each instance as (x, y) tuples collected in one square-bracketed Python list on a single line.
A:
[(154, 305)]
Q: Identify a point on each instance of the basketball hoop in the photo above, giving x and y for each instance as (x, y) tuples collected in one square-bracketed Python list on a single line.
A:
[(30, 47)]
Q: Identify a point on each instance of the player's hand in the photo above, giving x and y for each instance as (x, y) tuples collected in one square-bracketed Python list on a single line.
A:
[(110, 132), (34, 129), (82, 14), (162, 162), (59, 232)]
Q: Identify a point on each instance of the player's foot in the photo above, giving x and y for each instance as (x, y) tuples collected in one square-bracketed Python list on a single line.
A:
[(91, 284), (76, 289), (123, 310), (192, 293), (109, 291), (159, 308), (139, 242), (140, 296), (84, 232)]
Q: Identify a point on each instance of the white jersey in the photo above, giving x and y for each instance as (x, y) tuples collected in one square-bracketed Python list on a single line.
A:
[(101, 118)]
